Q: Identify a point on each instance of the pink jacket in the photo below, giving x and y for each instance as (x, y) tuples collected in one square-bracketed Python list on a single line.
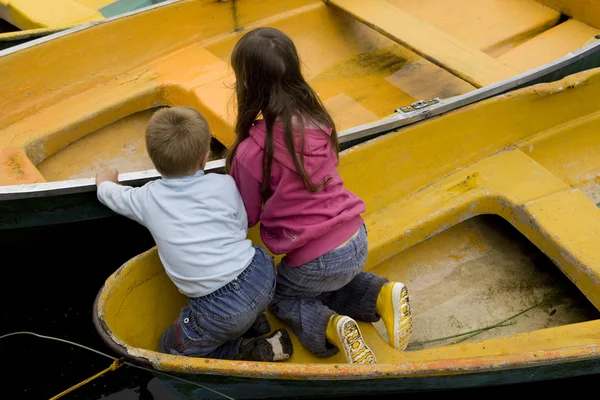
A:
[(295, 222)]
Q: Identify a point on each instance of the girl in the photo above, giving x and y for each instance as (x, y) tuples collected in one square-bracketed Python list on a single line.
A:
[(285, 166)]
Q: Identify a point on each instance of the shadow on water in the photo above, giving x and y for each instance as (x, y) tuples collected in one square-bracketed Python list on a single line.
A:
[(50, 277)]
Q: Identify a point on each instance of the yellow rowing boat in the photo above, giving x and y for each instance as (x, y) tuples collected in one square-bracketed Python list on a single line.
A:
[(488, 213), (79, 101)]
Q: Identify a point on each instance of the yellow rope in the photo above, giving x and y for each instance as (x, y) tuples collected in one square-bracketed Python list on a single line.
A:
[(114, 366)]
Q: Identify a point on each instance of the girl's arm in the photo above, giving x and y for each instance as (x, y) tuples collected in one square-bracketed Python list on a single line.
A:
[(249, 189)]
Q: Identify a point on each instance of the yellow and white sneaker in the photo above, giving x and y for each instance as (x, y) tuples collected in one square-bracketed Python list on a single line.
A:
[(343, 332), (394, 308)]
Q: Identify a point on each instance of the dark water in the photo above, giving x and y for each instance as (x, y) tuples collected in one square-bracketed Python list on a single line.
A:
[(49, 281)]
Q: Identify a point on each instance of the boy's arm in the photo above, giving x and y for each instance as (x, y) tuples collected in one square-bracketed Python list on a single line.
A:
[(124, 200), (249, 189)]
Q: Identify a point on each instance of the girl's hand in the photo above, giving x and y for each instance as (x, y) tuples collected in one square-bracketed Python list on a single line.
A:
[(111, 175)]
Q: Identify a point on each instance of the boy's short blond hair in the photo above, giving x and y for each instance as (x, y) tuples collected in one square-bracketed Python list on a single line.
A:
[(177, 140)]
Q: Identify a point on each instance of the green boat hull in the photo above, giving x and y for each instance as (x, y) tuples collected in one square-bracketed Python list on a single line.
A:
[(221, 387)]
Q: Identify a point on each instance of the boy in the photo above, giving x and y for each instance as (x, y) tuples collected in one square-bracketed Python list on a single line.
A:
[(199, 224)]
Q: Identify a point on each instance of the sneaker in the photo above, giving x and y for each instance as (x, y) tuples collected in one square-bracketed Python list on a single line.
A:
[(260, 327), (343, 332), (394, 308), (276, 347)]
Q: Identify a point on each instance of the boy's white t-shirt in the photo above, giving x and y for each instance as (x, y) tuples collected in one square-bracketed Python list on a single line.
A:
[(199, 225)]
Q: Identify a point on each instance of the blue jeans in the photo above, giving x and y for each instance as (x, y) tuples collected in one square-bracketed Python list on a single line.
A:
[(211, 326), (308, 295)]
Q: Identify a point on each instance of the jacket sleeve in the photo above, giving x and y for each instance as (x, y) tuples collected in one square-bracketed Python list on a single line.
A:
[(124, 200), (249, 189)]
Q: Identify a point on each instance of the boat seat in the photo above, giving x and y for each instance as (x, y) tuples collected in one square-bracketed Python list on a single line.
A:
[(166, 81), (16, 168), (558, 219), (467, 63), (556, 149), (550, 45), (215, 101)]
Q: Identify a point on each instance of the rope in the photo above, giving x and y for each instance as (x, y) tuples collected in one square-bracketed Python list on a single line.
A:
[(507, 319), (115, 359), (476, 332), (113, 367), (460, 334)]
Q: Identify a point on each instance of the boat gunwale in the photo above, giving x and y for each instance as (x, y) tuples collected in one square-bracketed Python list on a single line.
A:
[(360, 133), (329, 371), (103, 331)]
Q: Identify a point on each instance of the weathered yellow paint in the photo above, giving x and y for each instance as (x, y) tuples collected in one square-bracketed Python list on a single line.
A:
[(470, 64), (124, 137), (522, 183), (491, 26), (248, 12), (459, 196), (547, 46), (16, 167), (587, 11), (99, 75), (566, 226), (463, 137), (31, 14), (570, 152), (420, 185), (157, 296)]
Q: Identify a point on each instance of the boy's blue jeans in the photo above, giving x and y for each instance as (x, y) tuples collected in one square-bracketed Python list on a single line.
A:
[(211, 326)]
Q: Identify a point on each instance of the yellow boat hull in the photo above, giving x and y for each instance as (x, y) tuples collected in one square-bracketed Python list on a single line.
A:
[(487, 213), (25, 20), (101, 81), (39, 14)]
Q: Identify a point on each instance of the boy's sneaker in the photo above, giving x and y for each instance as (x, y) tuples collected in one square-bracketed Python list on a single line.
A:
[(260, 327), (276, 347), (343, 332), (394, 308)]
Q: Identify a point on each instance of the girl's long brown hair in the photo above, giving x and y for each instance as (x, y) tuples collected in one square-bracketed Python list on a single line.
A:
[(269, 82)]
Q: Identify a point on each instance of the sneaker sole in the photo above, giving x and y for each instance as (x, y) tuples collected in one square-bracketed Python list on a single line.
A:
[(402, 319), (277, 347), (281, 344), (350, 335)]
